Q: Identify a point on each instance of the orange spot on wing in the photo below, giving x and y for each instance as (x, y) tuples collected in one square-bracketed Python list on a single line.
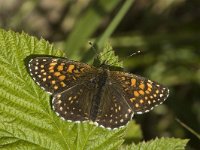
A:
[(51, 67), (53, 82), (149, 85), (70, 68), (53, 64), (62, 84), (133, 82), (148, 92), (62, 77), (136, 94), (132, 99), (141, 86), (141, 92), (56, 73), (60, 68), (141, 101), (51, 70), (149, 89)]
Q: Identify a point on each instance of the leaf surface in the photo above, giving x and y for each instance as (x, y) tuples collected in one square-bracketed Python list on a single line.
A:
[(26, 117)]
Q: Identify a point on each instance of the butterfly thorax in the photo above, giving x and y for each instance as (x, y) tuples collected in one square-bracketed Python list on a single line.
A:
[(100, 82)]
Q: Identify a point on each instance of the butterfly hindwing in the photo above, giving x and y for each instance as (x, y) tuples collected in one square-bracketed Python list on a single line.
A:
[(74, 103), (56, 74), (114, 112), (141, 94)]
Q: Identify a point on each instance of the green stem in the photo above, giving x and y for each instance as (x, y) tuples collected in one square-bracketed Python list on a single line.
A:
[(188, 128), (113, 25)]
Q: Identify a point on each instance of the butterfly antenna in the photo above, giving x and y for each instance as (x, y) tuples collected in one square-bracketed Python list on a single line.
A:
[(134, 53)]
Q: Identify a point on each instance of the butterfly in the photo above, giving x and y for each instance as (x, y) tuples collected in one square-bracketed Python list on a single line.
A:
[(82, 92)]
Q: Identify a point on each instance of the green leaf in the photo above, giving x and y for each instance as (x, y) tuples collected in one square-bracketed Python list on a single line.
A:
[(108, 57), (113, 25), (133, 133), (26, 117), (159, 144)]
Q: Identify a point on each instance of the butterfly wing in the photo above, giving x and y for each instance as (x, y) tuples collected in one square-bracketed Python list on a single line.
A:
[(74, 104), (141, 94), (114, 112), (55, 75)]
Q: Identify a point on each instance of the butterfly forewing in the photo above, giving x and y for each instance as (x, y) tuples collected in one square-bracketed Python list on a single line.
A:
[(56, 74), (141, 94)]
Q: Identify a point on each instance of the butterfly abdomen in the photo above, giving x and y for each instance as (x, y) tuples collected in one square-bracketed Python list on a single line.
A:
[(101, 81)]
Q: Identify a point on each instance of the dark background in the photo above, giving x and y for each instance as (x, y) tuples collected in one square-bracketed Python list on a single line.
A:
[(166, 31)]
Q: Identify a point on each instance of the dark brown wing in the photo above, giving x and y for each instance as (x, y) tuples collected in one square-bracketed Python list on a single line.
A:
[(114, 111), (55, 75), (74, 104), (141, 94)]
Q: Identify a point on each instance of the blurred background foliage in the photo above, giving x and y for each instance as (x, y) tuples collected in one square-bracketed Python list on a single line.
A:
[(166, 31)]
